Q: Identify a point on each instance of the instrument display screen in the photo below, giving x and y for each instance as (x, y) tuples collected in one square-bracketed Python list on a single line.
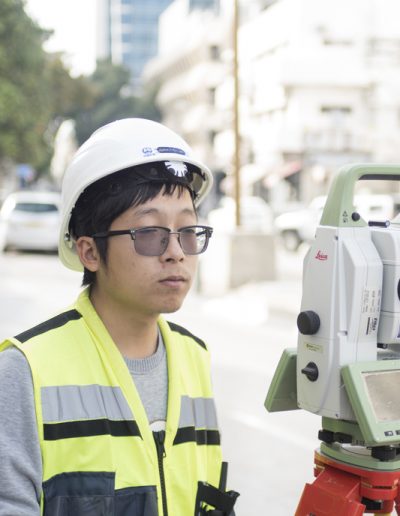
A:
[(373, 389), (383, 388)]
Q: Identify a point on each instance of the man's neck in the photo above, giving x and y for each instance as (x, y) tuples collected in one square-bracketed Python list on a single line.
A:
[(134, 334)]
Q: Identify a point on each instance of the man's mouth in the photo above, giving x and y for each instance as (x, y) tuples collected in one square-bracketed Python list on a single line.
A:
[(173, 280)]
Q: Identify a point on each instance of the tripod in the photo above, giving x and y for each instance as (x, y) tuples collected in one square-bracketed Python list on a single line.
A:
[(342, 489)]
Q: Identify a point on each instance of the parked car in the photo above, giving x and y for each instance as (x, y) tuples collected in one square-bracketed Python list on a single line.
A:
[(256, 215), (30, 220), (296, 227)]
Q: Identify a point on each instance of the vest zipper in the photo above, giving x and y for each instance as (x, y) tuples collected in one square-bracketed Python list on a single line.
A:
[(159, 438)]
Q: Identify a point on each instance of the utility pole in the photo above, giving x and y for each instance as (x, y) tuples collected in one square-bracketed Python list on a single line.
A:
[(236, 157)]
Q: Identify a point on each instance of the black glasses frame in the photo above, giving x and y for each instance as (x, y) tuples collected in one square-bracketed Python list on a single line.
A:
[(203, 230)]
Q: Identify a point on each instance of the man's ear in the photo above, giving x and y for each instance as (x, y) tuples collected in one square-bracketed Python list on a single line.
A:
[(88, 253)]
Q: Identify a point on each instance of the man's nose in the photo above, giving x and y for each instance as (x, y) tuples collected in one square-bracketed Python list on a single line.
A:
[(174, 249)]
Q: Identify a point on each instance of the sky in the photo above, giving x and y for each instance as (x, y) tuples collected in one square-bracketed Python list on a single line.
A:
[(74, 25)]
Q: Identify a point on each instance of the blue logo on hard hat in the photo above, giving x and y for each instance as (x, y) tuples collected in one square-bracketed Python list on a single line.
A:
[(148, 151), (170, 150)]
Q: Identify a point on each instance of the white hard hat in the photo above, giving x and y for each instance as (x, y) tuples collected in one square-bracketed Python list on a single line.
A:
[(116, 146)]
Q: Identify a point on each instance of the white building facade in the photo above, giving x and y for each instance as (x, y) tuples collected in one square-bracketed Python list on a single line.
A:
[(319, 87), (127, 33), (189, 68), (321, 82)]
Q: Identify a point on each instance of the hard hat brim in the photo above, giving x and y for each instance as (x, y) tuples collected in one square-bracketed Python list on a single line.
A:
[(66, 248)]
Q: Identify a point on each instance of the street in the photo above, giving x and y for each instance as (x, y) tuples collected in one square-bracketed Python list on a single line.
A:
[(270, 455)]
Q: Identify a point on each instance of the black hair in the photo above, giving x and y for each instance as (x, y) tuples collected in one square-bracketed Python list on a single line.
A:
[(106, 199)]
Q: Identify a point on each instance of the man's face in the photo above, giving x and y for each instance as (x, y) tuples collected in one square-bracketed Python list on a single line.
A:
[(149, 284)]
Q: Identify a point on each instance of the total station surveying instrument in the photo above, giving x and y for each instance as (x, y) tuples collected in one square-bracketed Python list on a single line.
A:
[(346, 367)]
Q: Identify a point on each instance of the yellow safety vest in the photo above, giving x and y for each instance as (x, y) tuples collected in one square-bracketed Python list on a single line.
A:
[(99, 454)]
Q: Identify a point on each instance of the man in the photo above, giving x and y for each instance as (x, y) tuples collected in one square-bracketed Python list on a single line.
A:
[(106, 408)]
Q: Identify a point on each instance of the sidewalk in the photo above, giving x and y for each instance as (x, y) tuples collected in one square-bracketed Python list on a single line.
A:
[(246, 330), (255, 303)]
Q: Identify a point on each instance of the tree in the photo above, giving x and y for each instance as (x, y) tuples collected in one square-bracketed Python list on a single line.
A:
[(68, 96), (113, 100), (37, 92), (24, 109)]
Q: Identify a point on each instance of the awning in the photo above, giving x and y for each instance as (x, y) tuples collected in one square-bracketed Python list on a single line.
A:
[(289, 168)]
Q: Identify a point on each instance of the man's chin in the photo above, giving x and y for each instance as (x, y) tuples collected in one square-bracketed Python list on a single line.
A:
[(171, 309), (171, 303)]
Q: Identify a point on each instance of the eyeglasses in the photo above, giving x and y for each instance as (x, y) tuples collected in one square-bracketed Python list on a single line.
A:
[(154, 240)]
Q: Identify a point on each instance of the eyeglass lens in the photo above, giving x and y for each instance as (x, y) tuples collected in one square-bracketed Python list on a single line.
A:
[(154, 241)]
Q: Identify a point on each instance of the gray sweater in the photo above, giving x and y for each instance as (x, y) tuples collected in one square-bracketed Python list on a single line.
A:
[(20, 456)]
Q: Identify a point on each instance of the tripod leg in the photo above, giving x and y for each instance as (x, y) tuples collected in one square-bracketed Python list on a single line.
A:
[(333, 492), (397, 503)]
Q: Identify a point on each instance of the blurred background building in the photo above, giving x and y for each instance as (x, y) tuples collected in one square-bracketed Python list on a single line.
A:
[(318, 88), (189, 68), (128, 33)]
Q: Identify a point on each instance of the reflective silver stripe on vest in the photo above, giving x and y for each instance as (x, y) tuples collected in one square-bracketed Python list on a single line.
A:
[(198, 412), (84, 402)]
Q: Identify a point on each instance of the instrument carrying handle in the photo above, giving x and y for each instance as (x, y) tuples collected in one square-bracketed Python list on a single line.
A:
[(339, 206)]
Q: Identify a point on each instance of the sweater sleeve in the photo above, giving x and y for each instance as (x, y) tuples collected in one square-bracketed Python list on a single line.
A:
[(20, 456)]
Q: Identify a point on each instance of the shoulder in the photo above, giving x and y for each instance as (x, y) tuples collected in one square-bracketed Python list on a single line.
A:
[(15, 373), (177, 329), (56, 339), (12, 362), (56, 322)]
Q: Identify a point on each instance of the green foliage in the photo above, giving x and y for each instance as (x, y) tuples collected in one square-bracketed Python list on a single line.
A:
[(36, 89), (37, 92), (113, 100), (24, 110), (67, 96)]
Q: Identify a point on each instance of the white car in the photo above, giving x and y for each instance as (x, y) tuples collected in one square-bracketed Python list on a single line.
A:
[(296, 227), (30, 220), (256, 215)]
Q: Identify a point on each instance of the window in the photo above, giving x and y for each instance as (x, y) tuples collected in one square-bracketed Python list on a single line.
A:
[(203, 4), (336, 110), (211, 137), (126, 37), (33, 207), (127, 19), (338, 42), (211, 96), (214, 52), (266, 3)]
